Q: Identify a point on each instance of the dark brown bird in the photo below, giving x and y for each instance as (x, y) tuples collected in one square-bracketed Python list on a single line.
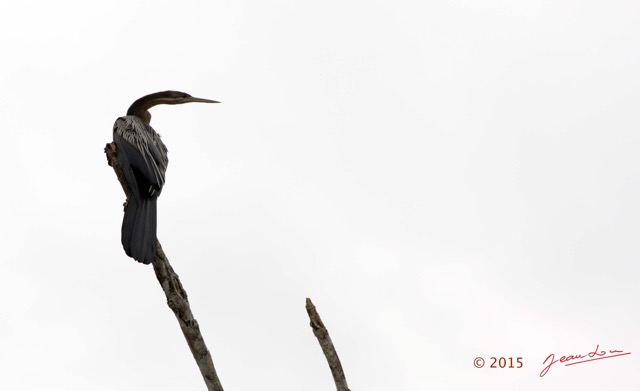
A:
[(143, 158)]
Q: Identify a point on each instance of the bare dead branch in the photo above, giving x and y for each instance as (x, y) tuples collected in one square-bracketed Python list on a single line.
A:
[(177, 298), (328, 349)]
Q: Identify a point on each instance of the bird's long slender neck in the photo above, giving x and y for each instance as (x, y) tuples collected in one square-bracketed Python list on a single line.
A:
[(140, 108)]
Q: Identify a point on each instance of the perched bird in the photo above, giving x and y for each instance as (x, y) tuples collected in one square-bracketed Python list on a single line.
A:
[(142, 156)]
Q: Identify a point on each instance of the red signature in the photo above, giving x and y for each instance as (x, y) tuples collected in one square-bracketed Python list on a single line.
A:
[(591, 356)]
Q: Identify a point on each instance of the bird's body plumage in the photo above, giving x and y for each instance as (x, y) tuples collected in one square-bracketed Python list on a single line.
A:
[(143, 158)]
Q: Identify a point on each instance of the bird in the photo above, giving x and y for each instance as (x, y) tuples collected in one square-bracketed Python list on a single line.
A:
[(142, 156)]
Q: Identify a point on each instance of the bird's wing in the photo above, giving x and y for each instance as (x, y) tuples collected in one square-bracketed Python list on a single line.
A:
[(159, 152), (140, 156)]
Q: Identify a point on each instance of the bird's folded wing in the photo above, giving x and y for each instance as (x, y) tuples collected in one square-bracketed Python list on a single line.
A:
[(139, 158)]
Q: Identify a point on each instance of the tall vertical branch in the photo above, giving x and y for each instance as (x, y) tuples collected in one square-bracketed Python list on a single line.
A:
[(177, 298), (321, 332)]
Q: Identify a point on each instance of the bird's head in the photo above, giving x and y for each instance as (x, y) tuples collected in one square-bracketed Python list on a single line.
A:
[(140, 108)]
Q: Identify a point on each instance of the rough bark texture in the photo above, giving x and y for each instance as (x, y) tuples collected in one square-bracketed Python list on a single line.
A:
[(176, 295), (327, 347)]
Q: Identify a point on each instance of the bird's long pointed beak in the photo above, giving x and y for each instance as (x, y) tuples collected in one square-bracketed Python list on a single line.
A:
[(201, 100)]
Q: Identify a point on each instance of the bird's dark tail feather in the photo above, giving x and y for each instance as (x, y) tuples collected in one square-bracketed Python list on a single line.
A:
[(139, 229)]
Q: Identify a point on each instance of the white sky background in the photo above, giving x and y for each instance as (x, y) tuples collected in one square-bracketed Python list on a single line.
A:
[(445, 180)]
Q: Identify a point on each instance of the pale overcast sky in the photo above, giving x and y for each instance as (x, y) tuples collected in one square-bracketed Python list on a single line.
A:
[(446, 180)]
